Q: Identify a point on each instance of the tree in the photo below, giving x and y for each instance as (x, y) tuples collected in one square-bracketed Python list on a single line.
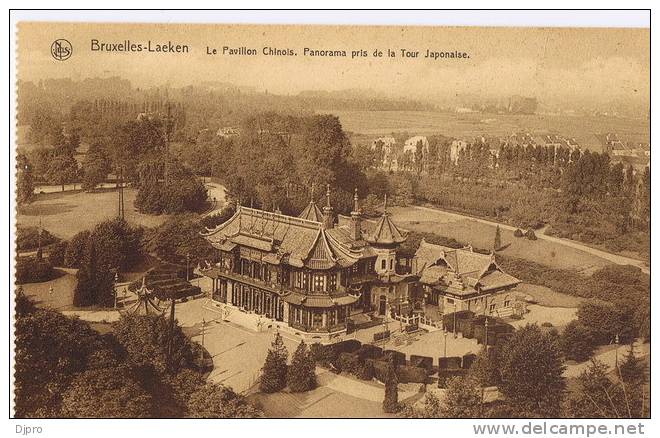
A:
[(498, 239), (106, 393), (274, 371), (147, 340), (484, 370), (95, 167), (24, 180), (606, 321), (301, 376), (62, 169), (391, 400), (94, 281), (531, 369), (577, 341), (462, 399), (50, 350), (217, 401)]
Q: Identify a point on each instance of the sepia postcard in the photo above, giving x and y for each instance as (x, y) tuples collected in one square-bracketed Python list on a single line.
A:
[(331, 221)]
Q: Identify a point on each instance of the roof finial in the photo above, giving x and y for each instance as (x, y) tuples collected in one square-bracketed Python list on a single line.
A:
[(311, 196), (356, 204), (327, 195), (385, 206)]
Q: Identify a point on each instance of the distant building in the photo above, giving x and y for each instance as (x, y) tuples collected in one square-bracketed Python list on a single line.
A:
[(227, 132), (455, 149), (461, 279), (411, 145)]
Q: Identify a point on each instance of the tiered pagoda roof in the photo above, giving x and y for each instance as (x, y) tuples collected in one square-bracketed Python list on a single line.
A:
[(386, 232), (312, 212), (292, 240)]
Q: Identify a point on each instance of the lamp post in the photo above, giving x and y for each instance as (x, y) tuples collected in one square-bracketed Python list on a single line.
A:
[(115, 288), (486, 334), (616, 352), (201, 353)]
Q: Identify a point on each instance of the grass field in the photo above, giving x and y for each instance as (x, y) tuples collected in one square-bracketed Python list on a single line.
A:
[(481, 235), (66, 213), (582, 128)]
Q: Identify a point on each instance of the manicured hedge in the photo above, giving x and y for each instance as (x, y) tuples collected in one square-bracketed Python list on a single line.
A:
[(399, 357), (411, 374), (348, 362), (452, 362), (328, 354), (468, 361), (368, 351), (381, 335), (425, 362), (461, 315)]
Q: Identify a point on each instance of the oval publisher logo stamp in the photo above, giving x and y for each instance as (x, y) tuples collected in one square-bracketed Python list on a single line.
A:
[(61, 49)]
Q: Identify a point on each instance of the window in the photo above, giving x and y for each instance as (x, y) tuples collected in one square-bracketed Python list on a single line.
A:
[(383, 264), (297, 276), (391, 264), (507, 303), (319, 282), (492, 307), (332, 282), (332, 318), (450, 301), (305, 281), (317, 319)]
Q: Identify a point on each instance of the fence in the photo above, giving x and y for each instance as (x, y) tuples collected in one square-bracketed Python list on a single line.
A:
[(421, 321)]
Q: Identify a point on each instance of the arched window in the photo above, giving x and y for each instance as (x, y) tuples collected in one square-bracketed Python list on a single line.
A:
[(383, 264)]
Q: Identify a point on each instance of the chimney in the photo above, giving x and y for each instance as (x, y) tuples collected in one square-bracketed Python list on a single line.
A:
[(328, 215), (356, 218)]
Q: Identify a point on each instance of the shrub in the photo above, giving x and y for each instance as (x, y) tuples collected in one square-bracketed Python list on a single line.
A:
[(547, 324), (27, 238), (518, 233), (33, 270), (56, 253), (411, 374), (530, 235), (365, 371), (391, 400), (577, 342), (444, 375)]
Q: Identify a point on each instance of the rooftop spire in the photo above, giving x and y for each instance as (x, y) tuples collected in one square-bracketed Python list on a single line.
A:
[(327, 196), (328, 216), (385, 205)]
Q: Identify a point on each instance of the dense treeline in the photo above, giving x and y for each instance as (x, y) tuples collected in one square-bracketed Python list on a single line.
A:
[(579, 195), (64, 368)]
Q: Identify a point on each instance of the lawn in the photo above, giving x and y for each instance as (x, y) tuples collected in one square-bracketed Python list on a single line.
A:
[(481, 235), (66, 213)]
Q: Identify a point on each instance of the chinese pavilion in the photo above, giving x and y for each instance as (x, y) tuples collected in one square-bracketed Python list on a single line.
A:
[(310, 272)]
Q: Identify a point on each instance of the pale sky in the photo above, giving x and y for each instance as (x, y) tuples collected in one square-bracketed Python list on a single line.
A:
[(595, 64)]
